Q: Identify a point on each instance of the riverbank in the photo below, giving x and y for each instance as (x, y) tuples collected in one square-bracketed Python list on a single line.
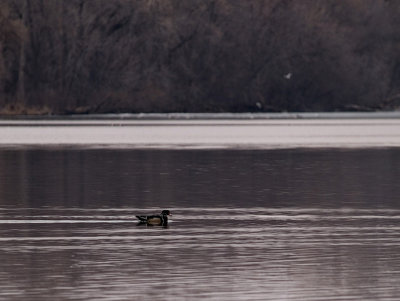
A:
[(210, 116)]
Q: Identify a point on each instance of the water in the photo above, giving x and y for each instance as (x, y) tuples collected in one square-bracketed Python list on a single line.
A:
[(294, 224)]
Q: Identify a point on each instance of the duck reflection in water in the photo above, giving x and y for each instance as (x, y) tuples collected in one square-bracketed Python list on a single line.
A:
[(154, 220)]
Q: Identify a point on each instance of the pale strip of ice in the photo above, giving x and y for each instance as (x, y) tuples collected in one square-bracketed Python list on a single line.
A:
[(292, 217), (305, 228), (212, 134), (102, 245), (239, 241), (65, 221), (244, 217), (215, 237), (222, 210)]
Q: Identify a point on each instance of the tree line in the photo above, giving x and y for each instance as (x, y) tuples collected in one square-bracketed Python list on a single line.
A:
[(102, 56)]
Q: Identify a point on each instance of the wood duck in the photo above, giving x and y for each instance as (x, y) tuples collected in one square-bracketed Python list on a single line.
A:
[(155, 220)]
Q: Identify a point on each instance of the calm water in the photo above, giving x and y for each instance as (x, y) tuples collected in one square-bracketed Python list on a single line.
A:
[(317, 224)]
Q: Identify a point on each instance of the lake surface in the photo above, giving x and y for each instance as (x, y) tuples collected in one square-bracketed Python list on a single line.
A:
[(283, 224)]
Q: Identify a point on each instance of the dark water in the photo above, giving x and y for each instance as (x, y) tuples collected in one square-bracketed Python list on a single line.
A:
[(247, 225)]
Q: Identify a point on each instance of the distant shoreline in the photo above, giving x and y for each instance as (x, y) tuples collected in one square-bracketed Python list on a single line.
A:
[(212, 116)]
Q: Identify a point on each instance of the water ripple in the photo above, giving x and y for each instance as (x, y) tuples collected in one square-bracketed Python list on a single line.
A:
[(205, 253)]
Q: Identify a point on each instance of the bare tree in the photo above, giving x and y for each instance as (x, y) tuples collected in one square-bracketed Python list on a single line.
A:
[(81, 56)]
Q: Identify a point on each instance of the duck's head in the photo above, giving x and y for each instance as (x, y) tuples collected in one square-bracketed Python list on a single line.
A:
[(165, 212)]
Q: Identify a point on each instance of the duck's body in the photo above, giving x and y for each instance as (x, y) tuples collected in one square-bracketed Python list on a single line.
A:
[(154, 220)]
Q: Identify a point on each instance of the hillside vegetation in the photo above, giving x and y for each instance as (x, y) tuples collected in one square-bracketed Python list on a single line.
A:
[(99, 56)]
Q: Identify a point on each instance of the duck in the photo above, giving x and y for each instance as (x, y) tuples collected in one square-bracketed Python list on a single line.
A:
[(155, 220)]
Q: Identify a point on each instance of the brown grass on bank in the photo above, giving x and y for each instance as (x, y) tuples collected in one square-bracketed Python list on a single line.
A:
[(18, 109)]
